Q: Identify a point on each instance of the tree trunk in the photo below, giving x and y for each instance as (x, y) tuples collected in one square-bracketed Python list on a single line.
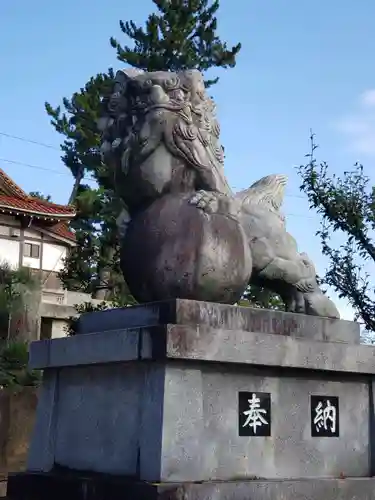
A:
[(77, 182), (102, 291)]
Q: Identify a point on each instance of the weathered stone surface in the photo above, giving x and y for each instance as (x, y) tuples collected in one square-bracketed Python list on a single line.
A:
[(314, 489), (161, 137), (165, 152), (202, 343), (42, 445), (179, 422), (188, 254), (277, 262), (121, 345), (60, 486), (161, 402), (267, 350), (24, 323), (17, 415), (223, 316)]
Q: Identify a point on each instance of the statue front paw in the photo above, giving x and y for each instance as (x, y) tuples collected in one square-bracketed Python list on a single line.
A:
[(206, 201), (212, 202)]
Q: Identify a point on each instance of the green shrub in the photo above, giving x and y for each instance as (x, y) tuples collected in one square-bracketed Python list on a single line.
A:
[(85, 307), (15, 355), (13, 367)]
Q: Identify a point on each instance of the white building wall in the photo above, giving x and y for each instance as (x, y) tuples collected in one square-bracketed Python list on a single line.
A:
[(10, 232), (9, 249), (53, 256), (9, 252), (59, 328)]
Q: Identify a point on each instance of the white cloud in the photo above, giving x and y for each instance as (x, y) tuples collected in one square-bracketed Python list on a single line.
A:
[(367, 98), (359, 127)]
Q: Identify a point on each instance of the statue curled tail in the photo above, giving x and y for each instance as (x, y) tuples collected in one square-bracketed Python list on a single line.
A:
[(277, 263)]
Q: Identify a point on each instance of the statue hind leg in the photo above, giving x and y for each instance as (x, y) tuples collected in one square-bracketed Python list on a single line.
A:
[(294, 300), (303, 296)]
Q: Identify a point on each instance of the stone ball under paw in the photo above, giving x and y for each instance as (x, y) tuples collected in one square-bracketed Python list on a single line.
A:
[(175, 250)]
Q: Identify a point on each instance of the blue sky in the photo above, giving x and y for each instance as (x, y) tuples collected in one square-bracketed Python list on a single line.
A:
[(303, 65)]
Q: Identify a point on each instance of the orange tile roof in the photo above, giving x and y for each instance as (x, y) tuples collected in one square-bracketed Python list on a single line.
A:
[(61, 229), (34, 206), (14, 200), (10, 186)]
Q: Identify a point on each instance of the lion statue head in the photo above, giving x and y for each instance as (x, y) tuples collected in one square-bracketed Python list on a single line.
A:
[(149, 110)]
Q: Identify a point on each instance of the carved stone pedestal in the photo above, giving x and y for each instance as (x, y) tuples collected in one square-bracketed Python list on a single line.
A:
[(250, 403)]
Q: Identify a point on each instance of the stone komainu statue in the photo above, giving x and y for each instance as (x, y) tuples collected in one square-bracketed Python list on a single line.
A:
[(184, 233)]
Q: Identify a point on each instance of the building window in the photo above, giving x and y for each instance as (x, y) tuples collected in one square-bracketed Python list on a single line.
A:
[(46, 328), (31, 250)]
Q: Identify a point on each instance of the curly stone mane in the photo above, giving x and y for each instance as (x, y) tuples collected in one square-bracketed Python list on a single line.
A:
[(179, 103)]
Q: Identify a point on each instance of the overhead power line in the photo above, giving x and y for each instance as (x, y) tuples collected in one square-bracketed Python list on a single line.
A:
[(14, 162), (30, 141), (38, 167), (88, 179), (45, 169), (49, 146)]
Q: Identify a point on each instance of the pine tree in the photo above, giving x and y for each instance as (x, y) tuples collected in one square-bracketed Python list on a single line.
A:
[(40, 196), (182, 35), (81, 154)]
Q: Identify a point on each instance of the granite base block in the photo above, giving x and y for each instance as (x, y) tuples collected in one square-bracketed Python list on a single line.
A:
[(26, 486), (178, 421), (220, 316), (163, 401)]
